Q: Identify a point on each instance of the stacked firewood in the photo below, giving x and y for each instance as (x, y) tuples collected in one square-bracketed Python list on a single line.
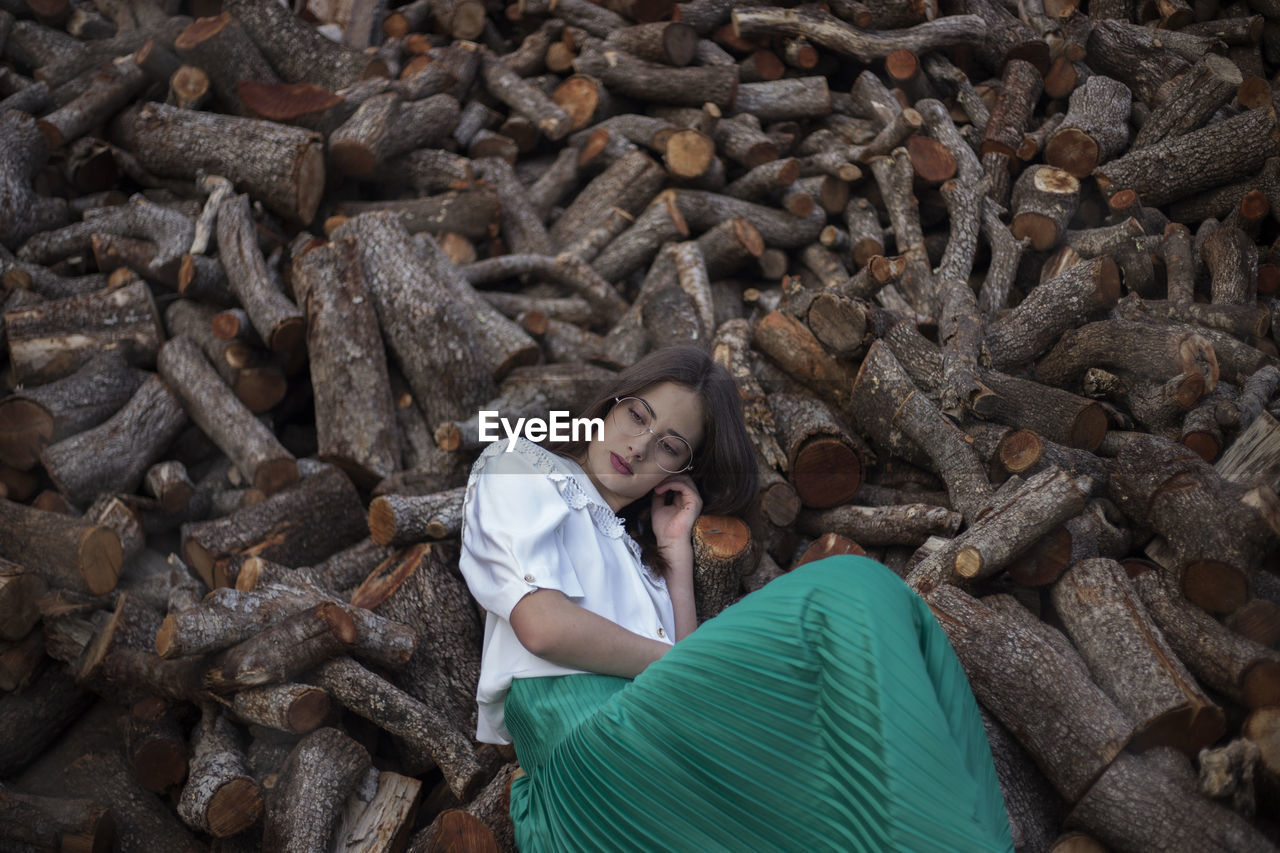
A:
[(996, 282)]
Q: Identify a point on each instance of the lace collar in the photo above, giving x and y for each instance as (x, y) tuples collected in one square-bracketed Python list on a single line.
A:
[(574, 486)]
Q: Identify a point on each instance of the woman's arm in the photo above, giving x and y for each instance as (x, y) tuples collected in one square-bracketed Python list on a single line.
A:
[(552, 627), (680, 587)]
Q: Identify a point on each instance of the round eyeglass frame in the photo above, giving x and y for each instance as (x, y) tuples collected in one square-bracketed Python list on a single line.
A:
[(627, 428)]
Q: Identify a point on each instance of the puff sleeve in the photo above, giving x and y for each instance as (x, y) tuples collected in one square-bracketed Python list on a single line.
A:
[(511, 542)]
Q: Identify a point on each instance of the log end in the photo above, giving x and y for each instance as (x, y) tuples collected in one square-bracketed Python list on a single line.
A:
[(284, 102), (289, 336), (25, 429), (382, 521), (1206, 444), (166, 636), (260, 388), (780, 503), (160, 764), (689, 153), (1019, 450), (829, 545), (1261, 684), (448, 436), (1044, 562), (454, 830), (307, 711), (352, 157), (826, 472), (579, 96), (338, 620), (1073, 151), (1089, 428), (1187, 729), (101, 556), (1041, 230), (234, 807), (930, 159), (1215, 586), (968, 562), (723, 537)]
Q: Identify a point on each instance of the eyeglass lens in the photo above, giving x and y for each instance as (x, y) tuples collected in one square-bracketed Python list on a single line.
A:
[(672, 453)]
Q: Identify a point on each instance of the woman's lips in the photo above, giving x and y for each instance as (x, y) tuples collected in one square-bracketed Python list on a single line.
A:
[(619, 465)]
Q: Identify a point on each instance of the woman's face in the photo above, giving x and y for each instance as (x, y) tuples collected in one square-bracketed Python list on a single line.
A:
[(626, 467)]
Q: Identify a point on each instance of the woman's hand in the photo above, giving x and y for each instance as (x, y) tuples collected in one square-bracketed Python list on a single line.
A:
[(676, 506)]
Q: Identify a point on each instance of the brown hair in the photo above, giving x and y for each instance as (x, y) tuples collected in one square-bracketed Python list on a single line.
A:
[(724, 466)]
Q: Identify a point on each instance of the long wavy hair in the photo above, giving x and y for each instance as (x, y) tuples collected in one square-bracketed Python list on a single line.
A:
[(724, 465)]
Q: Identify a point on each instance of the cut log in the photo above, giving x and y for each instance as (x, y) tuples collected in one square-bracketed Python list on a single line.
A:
[(229, 424), (400, 520), (306, 804), (115, 455), (30, 822), (283, 166), (291, 647), (32, 719), (723, 554), (1044, 200), (1029, 513), (23, 152), (1196, 161), (1095, 129), (421, 588), (899, 524), (54, 339), (296, 527), (1131, 660), (1150, 801), (292, 708), (35, 417), (221, 796), (66, 552), (444, 377), (355, 415), (423, 728), (277, 320), (257, 380), (1003, 658), (889, 408), (824, 462), (155, 745), (1240, 669)]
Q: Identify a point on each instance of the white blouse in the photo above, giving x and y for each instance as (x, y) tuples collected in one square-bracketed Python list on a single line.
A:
[(534, 520)]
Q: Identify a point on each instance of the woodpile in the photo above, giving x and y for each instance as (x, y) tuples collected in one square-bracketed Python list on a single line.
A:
[(997, 283)]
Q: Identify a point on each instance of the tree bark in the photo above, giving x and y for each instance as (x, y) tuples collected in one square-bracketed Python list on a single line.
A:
[(1196, 161), (54, 339), (115, 455), (1038, 689), (355, 415), (221, 797), (423, 728), (1131, 660), (307, 803), (67, 552), (830, 32), (229, 424), (296, 527), (422, 589), (33, 418), (280, 165)]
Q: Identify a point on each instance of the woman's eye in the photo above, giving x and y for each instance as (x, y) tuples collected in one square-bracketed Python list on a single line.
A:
[(635, 416), (667, 448)]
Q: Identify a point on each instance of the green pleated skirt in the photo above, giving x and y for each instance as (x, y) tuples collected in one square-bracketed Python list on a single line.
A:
[(826, 711)]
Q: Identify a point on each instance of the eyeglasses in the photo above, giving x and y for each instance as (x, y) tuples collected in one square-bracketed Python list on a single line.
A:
[(631, 416)]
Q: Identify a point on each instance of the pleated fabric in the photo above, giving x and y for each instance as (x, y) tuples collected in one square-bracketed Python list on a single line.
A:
[(826, 711)]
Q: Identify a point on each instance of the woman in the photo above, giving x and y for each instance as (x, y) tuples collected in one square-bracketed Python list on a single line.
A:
[(825, 711)]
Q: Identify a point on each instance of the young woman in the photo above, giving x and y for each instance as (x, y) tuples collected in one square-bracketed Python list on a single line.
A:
[(825, 711)]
